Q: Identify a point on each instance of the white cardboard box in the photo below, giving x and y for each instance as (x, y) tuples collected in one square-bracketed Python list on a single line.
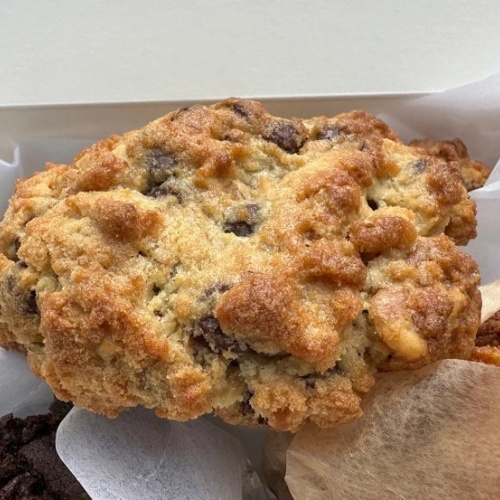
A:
[(70, 52)]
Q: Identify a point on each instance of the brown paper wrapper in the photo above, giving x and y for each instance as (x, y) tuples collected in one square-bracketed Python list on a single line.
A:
[(428, 434)]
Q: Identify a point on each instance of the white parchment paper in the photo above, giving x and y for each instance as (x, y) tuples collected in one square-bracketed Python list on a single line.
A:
[(21, 393), (139, 456), (10, 170)]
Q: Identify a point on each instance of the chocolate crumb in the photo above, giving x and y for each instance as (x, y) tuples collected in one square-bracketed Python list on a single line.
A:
[(30, 468), (246, 407), (240, 228), (163, 190), (419, 166), (239, 109)]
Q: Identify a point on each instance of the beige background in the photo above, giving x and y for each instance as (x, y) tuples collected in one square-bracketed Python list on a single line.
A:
[(72, 51)]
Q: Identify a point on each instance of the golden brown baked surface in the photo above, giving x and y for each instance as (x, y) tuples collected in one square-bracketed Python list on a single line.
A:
[(474, 172), (221, 259)]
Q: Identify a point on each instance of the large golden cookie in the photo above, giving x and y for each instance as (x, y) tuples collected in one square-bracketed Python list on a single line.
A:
[(221, 259)]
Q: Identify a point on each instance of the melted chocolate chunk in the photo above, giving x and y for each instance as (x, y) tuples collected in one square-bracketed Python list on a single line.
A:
[(246, 407), (30, 306), (159, 165), (328, 132), (10, 284), (217, 340), (14, 248), (163, 190), (311, 379), (239, 109), (419, 166), (310, 382), (179, 112), (25, 301), (285, 135), (240, 228)]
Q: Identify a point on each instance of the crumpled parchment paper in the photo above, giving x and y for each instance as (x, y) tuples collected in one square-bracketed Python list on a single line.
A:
[(427, 434), (138, 455)]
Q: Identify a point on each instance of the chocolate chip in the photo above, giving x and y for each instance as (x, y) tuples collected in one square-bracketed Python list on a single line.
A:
[(285, 135), (366, 257), (311, 378), (372, 204), (328, 132), (310, 382), (15, 246), (159, 165), (419, 166), (217, 340), (311, 235), (239, 109), (10, 284), (181, 111), (336, 370), (246, 407), (217, 289), (30, 305), (24, 301), (163, 190), (240, 228)]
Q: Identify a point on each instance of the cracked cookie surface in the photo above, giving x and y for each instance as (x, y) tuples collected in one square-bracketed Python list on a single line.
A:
[(222, 259)]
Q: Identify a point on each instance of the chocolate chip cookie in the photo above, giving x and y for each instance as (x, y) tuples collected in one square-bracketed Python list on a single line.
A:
[(224, 260)]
